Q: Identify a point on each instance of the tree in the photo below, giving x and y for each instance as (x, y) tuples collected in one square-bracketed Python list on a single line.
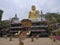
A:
[(51, 20), (1, 12), (53, 16)]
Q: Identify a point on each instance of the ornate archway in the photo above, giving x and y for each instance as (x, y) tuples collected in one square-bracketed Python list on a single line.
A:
[(26, 23)]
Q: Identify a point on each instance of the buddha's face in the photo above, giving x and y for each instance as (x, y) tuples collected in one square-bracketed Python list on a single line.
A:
[(33, 7)]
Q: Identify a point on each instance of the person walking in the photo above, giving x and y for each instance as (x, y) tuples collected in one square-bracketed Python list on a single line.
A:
[(54, 37)]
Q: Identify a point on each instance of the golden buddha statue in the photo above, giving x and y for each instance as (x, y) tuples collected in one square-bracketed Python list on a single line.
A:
[(37, 14), (33, 14)]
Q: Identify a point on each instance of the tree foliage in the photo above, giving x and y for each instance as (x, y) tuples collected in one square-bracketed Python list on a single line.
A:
[(58, 32), (6, 25), (52, 20), (1, 12), (53, 17)]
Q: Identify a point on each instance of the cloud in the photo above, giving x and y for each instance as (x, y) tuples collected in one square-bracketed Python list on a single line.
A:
[(6, 0), (22, 7)]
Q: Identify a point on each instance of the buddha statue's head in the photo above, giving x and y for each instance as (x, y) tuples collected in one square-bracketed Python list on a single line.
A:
[(33, 7)]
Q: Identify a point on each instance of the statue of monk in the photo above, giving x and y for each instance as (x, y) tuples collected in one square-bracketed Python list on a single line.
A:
[(33, 14), (36, 14)]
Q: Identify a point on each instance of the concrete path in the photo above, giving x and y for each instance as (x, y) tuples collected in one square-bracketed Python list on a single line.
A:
[(40, 41)]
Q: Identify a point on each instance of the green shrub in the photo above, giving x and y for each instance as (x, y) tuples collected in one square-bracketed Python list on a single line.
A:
[(58, 32)]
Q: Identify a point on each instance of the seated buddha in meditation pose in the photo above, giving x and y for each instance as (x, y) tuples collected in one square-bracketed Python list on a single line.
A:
[(33, 14)]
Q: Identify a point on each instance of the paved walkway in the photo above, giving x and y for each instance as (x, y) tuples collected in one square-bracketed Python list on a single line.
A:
[(40, 41)]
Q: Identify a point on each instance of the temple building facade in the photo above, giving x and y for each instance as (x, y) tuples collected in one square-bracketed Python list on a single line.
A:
[(36, 23)]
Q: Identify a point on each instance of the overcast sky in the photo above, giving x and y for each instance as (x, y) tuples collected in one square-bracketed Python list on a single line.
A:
[(22, 7)]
